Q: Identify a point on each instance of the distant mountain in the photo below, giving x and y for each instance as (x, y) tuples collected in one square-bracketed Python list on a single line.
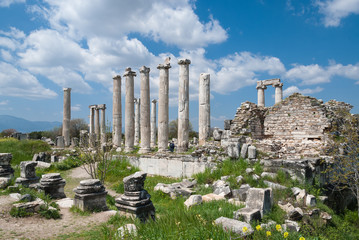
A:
[(25, 126)]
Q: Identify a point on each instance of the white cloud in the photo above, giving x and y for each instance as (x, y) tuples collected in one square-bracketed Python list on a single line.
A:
[(13, 33), (335, 10), (294, 89), (76, 108), (5, 102), (20, 83), (170, 21), (7, 3), (7, 43), (6, 55)]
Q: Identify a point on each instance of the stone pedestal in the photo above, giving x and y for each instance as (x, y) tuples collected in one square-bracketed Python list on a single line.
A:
[(261, 98), (60, 142), (117, 112), (145, 110), (27, 174), (6, 171), (129, 110), (52, 184), (90, 195), (136, 200), (137, 103), (67, 116), (153, 124), (204, 114), (163, 106), (278, 96), (183, 105)]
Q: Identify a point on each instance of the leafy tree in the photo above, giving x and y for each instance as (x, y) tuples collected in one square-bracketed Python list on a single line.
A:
[(173, 130), (343, 173), (7, 132)]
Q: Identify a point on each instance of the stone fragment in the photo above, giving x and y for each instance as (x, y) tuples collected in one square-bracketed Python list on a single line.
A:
[(193, 200), (249, 170), (248, 214), (244, 150), (65, 202), (53, 184), (291, 226), (221, 187), (241, 193), (60, 142), (273, 185), (15, 196), (286, 207), (301, 195), (124, 231), (6, 171), (310, 201), (268, 225), (136, 200), (212, 197), (260, 198), (227, 124), (252, 152), (256, 177), (27, 174), (43, 164), (236, 202), (324, 199), (225, 178), (296, 191), (234, 226), (90, 195), (325, 216), (233, 150), (177, 189), (268, 174), (217, 134), (4, 182), (239, 179), (30, 207), (296, 214)]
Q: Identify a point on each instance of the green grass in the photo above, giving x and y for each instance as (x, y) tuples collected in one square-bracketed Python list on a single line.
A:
[(22, 150)]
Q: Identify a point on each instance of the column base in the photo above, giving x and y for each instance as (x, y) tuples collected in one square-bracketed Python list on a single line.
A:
[(144, 150)]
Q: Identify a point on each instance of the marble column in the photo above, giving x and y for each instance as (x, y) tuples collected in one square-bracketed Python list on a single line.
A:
[(103, 123), (92, 135), (204, 114), (261, 98), (116, 112), (183, 105), (163, 106), (97, 123), (153, 124), (137, 103), (129, 110), (67, 116), (278, 95), (145, 110)]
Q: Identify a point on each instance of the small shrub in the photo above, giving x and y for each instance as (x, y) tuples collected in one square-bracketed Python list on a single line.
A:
[(19, 212), (49, 213)]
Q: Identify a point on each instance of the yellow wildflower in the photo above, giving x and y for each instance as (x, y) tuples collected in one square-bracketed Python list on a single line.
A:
[(278, 227), (301, 238), (285, 235), (244, 229), (269, 233), (258, 227)]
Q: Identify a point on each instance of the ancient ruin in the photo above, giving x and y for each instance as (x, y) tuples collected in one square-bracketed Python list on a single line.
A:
[(67, 116), (153, 124), (53, 185), (136, 200), (204, 113), (97, 131), (137, 103), (262, 85), (145, 120), (27, 174), (117, 112), (6, 171), (90, 195), (129, 110)]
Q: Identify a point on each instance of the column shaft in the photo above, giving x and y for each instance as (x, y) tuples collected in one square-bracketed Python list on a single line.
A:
[(103, 124), (137, 103), (129, 110), (278, 95), (153, 124), (261, 98), (183, 105), (67, 116), (145, 110), (204, 114), (163, 106), (116, 112), (97, 123)]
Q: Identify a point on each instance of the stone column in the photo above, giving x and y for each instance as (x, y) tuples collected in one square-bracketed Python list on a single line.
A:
[(261, 98), (183, 105), (129, 110), (103, 123), (67, 116), (92, 135), (137, 103), (163, 106), (153, 124), (145, 110), (278, 96), (204, 114), (97, 123), (116, 112)]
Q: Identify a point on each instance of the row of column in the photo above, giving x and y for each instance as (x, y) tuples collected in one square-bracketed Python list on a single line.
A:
[(144, 127), (278, 95), (97, 130)]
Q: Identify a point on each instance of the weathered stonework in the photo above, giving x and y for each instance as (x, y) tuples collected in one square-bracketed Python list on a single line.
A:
[(90, 195), (53, 184), (27, 174)]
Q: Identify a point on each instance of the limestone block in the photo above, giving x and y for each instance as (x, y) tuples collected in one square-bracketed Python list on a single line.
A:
[(249, 170), (217, 134), (241, 193), (234, 226), (268, 174), (212, 197), (310, 201), (175, 168), (227, 124), (65, 202), (4, 182), (244, 150), (248, 214), (273, 185), (239, 179), (252, 152), (256, 177), (296, 191), (27, 169), (301, 195), (291, 226), (260, 198), (233, 150), (60, 142), (5, 158), (296, 214), (286, 207), (193, 200), (124, 231)]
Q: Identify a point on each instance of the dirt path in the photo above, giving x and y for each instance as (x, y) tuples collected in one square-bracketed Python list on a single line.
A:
[(35, 227)]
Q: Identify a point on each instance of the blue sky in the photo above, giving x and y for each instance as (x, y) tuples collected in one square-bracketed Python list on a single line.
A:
[(311, 45)]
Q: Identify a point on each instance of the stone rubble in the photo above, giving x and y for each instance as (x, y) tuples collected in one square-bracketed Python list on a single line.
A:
[(6, 171), (27, 174)]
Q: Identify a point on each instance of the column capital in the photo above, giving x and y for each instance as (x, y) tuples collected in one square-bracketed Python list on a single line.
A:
[(154, 101), (67, 89), (144, 69), (116, 77), (93, 106), (204, 75), (101, 106), (278, 85), (129, 72), (261, 87), (164, 66), (184, 61)]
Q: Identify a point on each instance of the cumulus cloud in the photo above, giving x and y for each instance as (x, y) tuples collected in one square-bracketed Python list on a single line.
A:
[(294, 89), (20, 83), (335, 10), (7, 3), (173, 22)]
